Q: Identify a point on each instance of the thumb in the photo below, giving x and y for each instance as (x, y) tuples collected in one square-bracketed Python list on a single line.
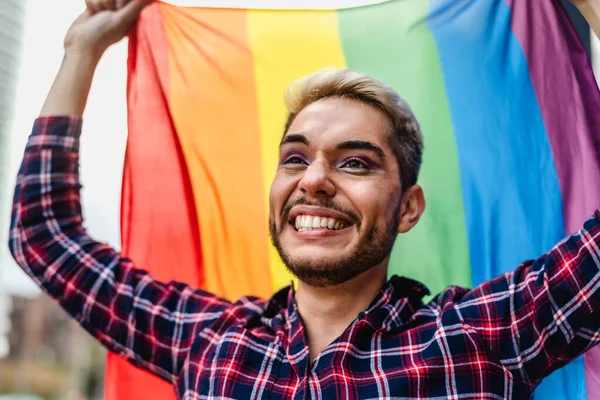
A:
[(129, 13)]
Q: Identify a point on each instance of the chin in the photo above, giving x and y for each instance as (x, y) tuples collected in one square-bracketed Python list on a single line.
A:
[(314, 259), (332, 258), (321, 267), (323, 272), (317, 252)]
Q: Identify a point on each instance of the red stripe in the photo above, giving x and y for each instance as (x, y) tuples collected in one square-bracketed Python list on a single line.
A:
[(157, 203)]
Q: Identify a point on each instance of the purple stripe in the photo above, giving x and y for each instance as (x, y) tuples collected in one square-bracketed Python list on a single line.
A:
[(569, 100), (566, 89), (592, 373)]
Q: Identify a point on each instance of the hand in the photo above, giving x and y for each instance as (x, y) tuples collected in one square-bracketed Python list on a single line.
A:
[(102, 24), (590, 9)]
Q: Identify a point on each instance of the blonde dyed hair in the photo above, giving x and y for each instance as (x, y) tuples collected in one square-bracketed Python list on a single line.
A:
[(405, 139)]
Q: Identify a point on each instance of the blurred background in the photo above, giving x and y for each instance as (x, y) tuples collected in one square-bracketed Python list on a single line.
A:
[(43, 354)]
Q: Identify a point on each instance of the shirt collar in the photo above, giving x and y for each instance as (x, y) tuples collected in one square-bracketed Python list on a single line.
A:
[(407, 287), (395, 288), (392, 307)]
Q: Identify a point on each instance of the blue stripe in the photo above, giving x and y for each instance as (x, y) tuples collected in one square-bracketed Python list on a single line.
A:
[(512, 198)]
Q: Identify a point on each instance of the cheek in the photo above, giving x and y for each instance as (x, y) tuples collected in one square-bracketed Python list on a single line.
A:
[(375, 203), (281, 189), (393, 201)]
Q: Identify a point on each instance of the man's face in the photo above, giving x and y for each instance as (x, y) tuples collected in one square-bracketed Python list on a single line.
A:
[(336, 196)]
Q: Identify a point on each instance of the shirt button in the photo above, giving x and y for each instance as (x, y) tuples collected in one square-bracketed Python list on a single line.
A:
[(361, 315)]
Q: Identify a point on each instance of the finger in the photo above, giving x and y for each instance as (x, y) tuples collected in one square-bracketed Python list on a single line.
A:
[(101, 5), (91, 6), (108, 5), (131, 11), (121, 3)]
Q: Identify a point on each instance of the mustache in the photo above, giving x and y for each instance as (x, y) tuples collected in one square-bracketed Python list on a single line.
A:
[(325, 203)]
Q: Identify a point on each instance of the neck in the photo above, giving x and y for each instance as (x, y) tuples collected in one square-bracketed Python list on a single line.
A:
[(327, 311)]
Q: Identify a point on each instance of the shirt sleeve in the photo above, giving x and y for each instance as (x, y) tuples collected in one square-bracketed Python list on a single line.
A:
[(545, 313), (149, 323)]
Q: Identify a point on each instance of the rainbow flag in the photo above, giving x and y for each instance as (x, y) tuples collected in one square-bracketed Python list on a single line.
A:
[(503, 90)]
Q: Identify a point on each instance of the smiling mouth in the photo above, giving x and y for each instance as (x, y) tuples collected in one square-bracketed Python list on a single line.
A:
[(312, 223)]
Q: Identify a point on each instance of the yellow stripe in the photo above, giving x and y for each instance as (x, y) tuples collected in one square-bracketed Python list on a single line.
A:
[(212, 101), (286, 45)]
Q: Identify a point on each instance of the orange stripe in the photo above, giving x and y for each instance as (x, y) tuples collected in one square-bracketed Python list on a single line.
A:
[(286, 45), (156, 200), (213, 105)]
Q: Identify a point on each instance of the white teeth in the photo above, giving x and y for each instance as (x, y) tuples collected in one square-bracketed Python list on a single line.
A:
[(308, 222), (316, 222)]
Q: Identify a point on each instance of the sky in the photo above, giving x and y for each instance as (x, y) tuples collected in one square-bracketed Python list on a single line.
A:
[(104, 137), (103, 141)]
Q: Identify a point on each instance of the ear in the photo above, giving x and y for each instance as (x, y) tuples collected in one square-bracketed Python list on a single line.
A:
[(413, 205)]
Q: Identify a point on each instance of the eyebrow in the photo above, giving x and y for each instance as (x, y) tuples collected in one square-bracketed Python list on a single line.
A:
[(362, 145), (294, 138), (347, 145)]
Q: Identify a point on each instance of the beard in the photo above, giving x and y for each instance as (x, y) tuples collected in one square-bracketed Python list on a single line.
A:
[(374, 247)]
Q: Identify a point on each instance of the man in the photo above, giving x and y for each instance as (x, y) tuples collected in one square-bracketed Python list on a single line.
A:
[(345, 187)]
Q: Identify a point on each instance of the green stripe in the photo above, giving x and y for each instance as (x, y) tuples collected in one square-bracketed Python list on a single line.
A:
[(392, 43)]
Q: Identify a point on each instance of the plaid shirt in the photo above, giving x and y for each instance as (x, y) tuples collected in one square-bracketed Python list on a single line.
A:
[(496, 341)]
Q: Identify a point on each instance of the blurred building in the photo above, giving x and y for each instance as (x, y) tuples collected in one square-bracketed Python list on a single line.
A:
[(49, 352), (12, 19)]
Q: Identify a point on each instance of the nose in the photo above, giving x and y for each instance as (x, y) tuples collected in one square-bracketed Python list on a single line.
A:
[(316, 180)]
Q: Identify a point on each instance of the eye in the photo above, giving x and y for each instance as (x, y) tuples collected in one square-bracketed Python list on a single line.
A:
[(294, 159), (355, 164)]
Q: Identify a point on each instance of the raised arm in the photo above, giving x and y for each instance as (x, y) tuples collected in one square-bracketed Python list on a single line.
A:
[(151, 324), (590, 9), (545, 313)]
